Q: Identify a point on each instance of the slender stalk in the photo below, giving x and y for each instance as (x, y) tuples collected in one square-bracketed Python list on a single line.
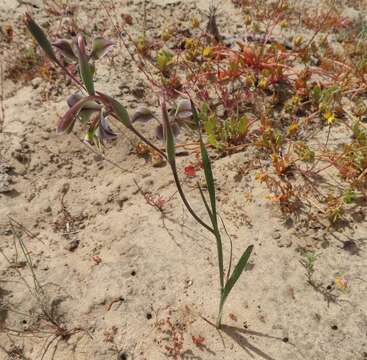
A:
[(146, 141), (220, 257), (218, 323), (183, 197)]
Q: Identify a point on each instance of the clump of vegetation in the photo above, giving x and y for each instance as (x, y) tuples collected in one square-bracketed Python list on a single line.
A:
[(93, 107), (45, 321), (27, 65), (284, 96)]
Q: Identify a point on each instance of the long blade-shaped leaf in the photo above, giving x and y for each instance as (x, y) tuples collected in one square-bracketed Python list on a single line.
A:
[(119, 110), (218, 239), (195, 116), (85, 69), (209, 179), (205, 203), (206, 163), (211, 189), (236, 273), (40, 37), (168, 134)]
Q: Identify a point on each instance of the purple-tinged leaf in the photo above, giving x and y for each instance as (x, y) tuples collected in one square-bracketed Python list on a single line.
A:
[(142, 114), (90, 105), (101, 47), (175, 129), (106, 133), (85, 69), (74, 98), (66, 49), (159, 132), (71, 114), (183, 110), (70, 126)]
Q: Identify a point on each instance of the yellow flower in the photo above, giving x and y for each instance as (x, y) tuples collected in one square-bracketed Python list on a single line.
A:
[(247, 20), (329, 117), (166, 35), (293, 128), (298, 40), (295, 100), (341, 282), (263, 83), (195, 22), (189, 42), (208, 51), (284, 24)]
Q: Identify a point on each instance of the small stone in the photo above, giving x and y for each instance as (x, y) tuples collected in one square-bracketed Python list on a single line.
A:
[(351, 247), (4, 183), (284, 242), (20, 156), (65, 188), (147, 186), (36, 82), (124, 87), (72, 245), (138, 91), (276, 235), (122, 356), (122, 200)]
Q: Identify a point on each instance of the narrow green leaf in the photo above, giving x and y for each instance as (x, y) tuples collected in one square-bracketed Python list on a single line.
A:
[(168, 134), (40, 37), (195, 116), (207, 167), (85, 115), (88, 139), (209, 179), (170, 144), (211, 189), (205, 203), (85, 69), (118, 109), (236, 272), (218, 238)]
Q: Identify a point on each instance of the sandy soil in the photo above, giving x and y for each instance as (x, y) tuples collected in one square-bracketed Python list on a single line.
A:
[(130, 282)]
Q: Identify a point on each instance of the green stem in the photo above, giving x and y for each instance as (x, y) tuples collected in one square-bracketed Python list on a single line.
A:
[(218, 324), (220, 255), (183, 197)]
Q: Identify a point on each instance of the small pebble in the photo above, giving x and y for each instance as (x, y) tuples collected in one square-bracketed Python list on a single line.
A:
[(72, 245)]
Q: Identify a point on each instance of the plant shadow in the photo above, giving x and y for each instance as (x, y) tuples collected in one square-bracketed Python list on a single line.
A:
[(189, 355), (239, 336)]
